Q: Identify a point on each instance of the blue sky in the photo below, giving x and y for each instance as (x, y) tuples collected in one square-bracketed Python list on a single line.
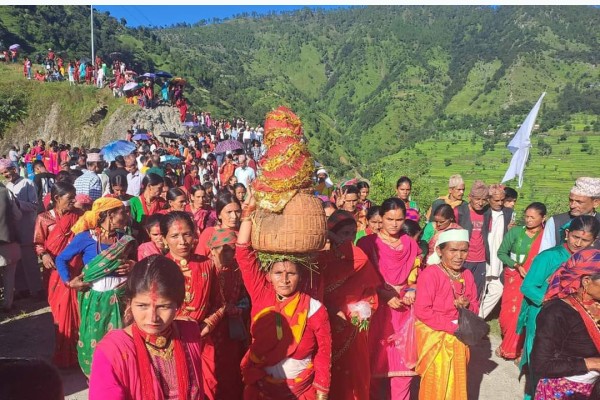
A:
[(168, 15)]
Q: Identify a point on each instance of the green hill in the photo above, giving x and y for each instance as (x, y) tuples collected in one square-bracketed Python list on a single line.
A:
[(379, 88)]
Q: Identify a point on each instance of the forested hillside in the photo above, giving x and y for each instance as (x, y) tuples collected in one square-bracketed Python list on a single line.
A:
[(367, 81)]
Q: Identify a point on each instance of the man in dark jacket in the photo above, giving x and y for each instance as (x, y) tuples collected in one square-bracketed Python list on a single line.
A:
[(10, 250), (496, 220), (43, 181)]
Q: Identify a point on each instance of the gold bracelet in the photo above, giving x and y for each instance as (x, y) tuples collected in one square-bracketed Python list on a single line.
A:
[(321, 396), (243, 219)]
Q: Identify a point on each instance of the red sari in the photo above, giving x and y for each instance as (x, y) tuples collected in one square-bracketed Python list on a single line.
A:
[(510, 306), (290, 354), (348, 277), (222, 354), (204, 303), (52, 234)]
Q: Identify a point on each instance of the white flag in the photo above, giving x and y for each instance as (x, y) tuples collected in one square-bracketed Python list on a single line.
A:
[(520, 144)]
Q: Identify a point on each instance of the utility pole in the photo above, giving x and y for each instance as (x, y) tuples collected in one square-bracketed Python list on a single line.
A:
[(92, 30)]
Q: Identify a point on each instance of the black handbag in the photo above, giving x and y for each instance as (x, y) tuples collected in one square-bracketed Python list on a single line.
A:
[(471, 327)]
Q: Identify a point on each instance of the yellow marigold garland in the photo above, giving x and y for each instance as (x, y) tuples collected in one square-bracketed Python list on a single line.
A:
[(276, 133)]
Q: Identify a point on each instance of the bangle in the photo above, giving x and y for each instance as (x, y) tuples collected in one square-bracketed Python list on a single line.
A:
[(244, 219), (247, 213), (321, 396)]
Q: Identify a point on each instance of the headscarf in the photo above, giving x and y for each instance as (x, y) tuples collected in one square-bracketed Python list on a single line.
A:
[(82, 198), (567, 279), (89, 220), (222, 237), (586, 186), (337, 218), (451, 235)]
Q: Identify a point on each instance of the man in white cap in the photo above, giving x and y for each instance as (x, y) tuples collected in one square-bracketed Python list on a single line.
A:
[(324, 185), (583, 200), (456, 192), (23, 189), (89, 182)]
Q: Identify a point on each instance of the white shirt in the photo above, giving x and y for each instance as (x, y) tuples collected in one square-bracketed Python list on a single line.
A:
[(245, 175)]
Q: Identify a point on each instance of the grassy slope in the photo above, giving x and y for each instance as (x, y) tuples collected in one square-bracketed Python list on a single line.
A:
[(75, 105), (547, 179)]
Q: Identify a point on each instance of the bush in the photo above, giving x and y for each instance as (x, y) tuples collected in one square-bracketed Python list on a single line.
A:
[(447, 162)]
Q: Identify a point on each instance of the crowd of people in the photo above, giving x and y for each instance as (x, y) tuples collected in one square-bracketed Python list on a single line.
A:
[(156, 292)]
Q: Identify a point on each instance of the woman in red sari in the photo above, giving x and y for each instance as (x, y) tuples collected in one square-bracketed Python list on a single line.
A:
[(518, 249), (351, 284), (228, 213), (225, 346), (52, 234), (290, 354), (202, 213), (203, 300), (394, 255)]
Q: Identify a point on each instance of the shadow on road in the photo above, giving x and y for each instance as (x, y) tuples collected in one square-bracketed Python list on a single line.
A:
[(480, 364)]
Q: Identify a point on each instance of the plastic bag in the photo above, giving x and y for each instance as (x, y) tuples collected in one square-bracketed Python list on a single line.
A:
[(405, 341), (471, 328)]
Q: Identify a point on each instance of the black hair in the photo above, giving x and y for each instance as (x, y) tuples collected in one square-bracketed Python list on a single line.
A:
[(160, 272), (174, 193), (329, 204), (393, 203), (152, 220), (362, 185), (446, 211), (410, 227), (168, 182), (152, 179), (60, 189), (64, 176), (169, 218), (373, 211), (585, 223), (350, 189), (510, 193), (539, 207), (29, 378), (403, 179), (239, 185), (195, 188), (208, 185), (38, 163), (224, 200), (118, 180)]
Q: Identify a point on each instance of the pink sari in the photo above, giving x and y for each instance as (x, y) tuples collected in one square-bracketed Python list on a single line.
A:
[(394, 266)]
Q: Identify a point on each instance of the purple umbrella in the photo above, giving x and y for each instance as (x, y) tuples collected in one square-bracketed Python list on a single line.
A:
[(14, 46), (190, 123), (141, 136), (228, 145)]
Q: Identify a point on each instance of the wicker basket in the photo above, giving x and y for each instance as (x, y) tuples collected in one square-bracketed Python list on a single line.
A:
[(300, 228)]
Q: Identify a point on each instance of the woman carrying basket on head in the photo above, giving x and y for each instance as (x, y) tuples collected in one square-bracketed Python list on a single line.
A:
[(290, 353)]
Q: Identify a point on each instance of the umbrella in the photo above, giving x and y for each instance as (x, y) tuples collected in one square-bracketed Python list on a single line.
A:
[(196, 129), (148, 75), (84, 60), (190, 123), (178, 81), (170, 159), (228, 145), (115, 54), (117, 148), (141, 136), (163, 74), (170, 135), (14, 46), (130, 86), (130, 72)]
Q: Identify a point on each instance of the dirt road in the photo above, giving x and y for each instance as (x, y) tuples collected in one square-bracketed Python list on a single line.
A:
[(29, 333)]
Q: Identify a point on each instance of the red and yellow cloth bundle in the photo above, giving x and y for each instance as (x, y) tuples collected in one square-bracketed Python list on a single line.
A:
[(287, 166)]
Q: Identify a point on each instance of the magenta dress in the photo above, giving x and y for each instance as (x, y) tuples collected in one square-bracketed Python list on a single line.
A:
[(114, 369), (394, 266)]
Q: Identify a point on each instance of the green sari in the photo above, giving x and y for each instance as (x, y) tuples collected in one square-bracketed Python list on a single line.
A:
[(100, 311), (534, 288)]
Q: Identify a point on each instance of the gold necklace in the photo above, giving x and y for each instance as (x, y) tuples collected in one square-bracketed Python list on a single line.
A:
[(452, 274), (384, 236)]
